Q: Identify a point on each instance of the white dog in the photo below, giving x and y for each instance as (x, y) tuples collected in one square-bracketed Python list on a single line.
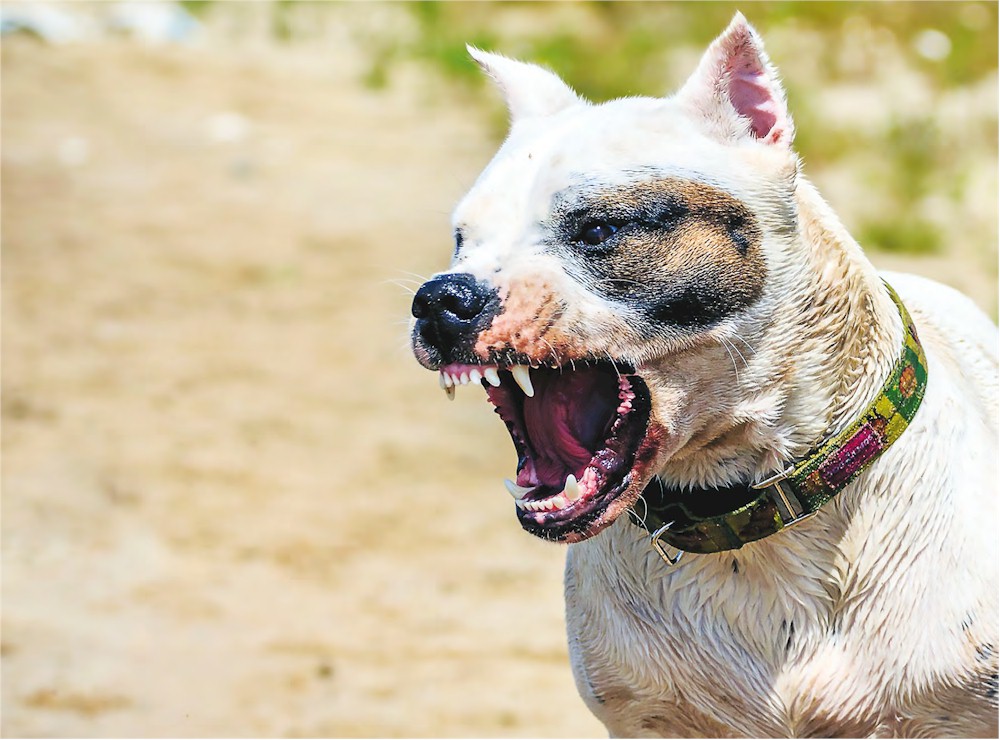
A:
[(781, 490)]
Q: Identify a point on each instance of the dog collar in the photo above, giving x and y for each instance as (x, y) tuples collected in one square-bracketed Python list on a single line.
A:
[(715, 520)]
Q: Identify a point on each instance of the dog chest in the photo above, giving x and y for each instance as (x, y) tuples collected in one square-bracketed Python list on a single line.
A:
[(714, 650)]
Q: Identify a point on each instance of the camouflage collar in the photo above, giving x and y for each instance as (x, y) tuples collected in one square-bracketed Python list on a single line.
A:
[(714, 520)]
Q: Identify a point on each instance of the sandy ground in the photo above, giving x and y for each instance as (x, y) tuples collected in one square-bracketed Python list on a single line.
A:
[(232, 502)]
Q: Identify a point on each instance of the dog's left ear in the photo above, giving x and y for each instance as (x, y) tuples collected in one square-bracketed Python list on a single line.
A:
[(737, 91), (530, 90)]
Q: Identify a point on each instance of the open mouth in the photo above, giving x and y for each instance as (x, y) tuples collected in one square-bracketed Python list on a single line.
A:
[(577, 431)]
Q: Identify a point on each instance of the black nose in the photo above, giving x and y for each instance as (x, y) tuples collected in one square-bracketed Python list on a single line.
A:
[(451, 310)]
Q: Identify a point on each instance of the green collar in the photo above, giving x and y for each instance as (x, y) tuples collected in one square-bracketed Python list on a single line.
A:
[(714, 520)]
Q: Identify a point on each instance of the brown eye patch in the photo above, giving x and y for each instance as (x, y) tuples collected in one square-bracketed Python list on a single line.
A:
[(684, 253)]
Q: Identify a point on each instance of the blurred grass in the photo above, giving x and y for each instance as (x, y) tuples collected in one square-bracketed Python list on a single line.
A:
[(628, 39), (895, 103)]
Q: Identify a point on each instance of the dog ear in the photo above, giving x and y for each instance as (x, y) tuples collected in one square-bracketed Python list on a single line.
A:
[(530, 90), (736, 88)]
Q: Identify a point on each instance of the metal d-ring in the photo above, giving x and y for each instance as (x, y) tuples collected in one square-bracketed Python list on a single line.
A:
[(654, 540)]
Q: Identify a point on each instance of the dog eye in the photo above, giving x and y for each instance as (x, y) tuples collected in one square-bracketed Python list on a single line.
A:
[(597, 232)]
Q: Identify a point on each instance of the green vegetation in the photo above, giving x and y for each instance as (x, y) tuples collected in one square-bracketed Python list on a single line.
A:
[(895, 103)]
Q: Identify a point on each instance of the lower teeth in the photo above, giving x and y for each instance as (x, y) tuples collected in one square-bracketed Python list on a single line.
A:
[(570, 494)]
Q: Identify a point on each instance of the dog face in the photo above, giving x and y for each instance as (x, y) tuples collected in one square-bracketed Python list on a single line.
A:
[(601, 260)]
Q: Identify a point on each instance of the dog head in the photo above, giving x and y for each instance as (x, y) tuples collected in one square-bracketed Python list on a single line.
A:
[(601, 261)]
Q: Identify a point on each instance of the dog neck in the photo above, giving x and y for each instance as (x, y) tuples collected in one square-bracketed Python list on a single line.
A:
[(847, 328), (817, 356)]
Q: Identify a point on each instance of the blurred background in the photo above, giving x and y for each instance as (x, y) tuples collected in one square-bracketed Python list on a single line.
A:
[(233, 504)]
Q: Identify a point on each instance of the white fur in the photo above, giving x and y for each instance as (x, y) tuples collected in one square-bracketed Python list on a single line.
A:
[(878, 586), (892, 587)]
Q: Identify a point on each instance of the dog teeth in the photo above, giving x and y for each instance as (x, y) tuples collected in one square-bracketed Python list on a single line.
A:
[(542, 505), (523, 379), (450, 392), (518, 492), (572, 489), (546, 504), (453, 376), (570, 493)]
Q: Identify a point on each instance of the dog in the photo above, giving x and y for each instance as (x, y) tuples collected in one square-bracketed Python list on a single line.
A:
[(775, 468)]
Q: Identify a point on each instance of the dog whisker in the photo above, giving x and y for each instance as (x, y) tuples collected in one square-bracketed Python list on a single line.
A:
[(416, 275), (405, 288), (404, 345), (645, 510), (745, 343), (552, 351), (614, 365), (737, 351), (725, 345)]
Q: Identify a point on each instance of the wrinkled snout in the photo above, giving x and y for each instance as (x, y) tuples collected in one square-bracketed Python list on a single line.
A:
[(450, 311)]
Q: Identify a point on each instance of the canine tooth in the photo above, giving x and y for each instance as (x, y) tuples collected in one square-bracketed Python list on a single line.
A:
[(450, 392), (558, 501), (572, 488), (492, 376), (518, 492), (521, 504), (474, 376), (441, 380), (523, 378)]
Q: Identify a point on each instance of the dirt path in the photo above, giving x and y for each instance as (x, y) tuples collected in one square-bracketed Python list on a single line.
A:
[(233, 504)]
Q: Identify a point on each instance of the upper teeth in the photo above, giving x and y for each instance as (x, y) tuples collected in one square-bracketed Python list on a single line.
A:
[(523, 378), (518, 492), (450, 380)]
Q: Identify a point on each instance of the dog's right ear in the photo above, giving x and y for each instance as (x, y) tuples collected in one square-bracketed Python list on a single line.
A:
[(736, 89), (531, 91)]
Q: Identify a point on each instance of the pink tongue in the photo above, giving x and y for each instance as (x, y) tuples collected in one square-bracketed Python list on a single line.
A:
[(564, 421)]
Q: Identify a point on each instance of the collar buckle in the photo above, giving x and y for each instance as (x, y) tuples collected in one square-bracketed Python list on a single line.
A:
[(790, 507)]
